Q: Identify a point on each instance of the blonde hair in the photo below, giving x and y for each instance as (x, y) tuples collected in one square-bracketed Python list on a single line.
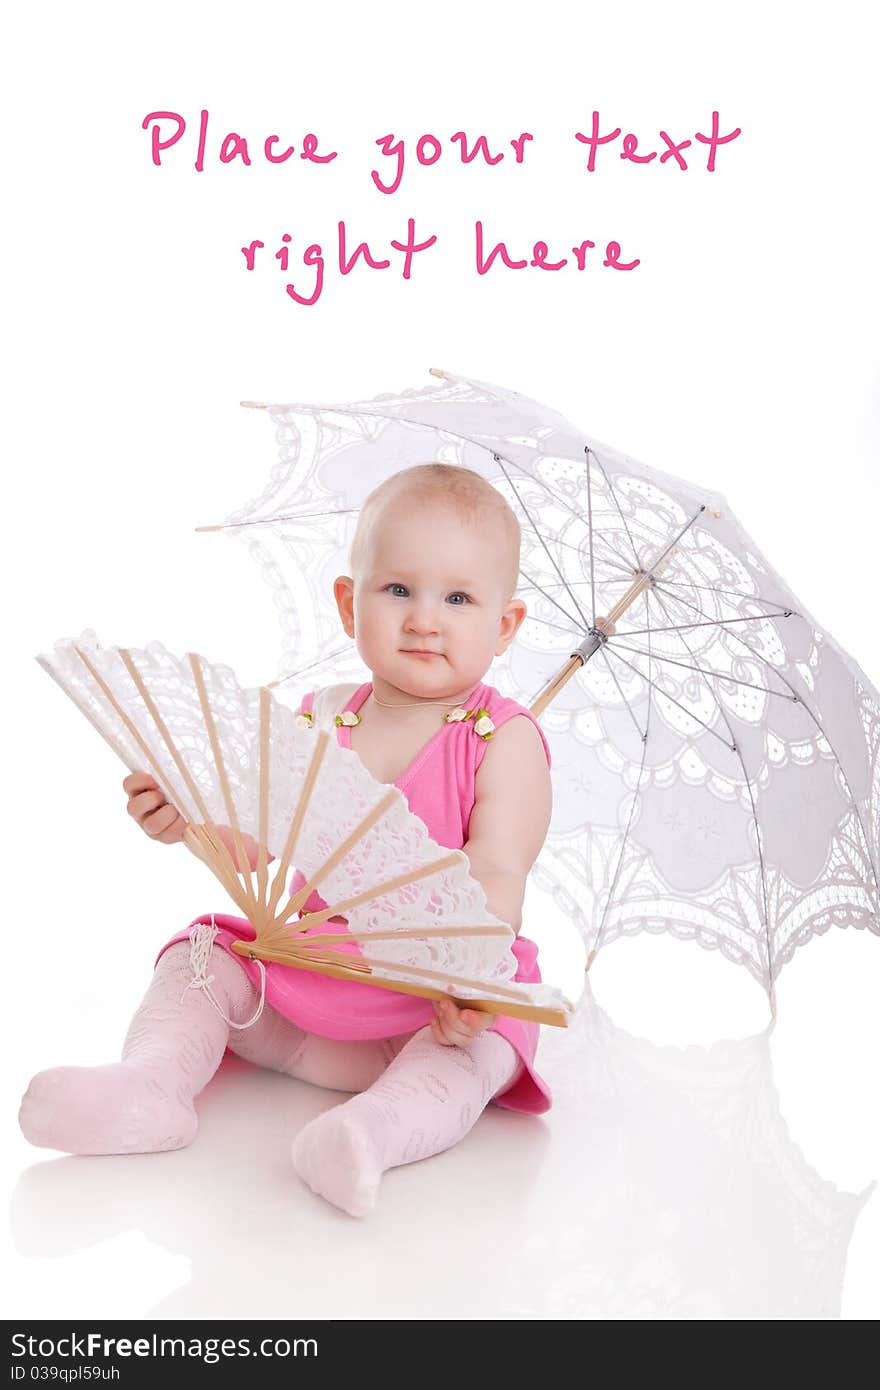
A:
[(466, 492)]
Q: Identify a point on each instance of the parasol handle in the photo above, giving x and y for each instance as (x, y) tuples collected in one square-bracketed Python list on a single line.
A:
[(603, 629), (555, 684)]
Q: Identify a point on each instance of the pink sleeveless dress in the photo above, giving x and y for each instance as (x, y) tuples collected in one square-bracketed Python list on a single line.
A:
[(439, 786)]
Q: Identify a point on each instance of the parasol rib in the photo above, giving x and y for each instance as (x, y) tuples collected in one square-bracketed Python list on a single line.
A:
[(759, 839), (625, 837), (616, 563), (310, 665), (273, 520), (710, 622), (729, 593), (550, 557), (801, 701), (719, 675), (590, 535), (550, 599), (666, 696), (642, 733), (592, 452)]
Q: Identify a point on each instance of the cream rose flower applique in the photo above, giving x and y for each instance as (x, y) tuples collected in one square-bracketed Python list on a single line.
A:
[(483, 725), (347, 719), (304, 720)]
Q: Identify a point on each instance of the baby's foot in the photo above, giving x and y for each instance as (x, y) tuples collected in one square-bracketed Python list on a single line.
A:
[(118, 1109), (339, 1160)]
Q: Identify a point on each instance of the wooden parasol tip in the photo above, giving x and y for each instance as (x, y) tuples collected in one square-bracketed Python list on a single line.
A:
[(438, 371), (590, 958), (207, 528), (254, 405)]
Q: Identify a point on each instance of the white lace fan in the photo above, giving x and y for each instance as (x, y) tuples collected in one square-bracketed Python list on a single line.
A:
[(233, 760)]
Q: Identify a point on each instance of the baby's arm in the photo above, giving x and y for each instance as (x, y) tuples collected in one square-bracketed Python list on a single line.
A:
[(510, 818), (507, 828)]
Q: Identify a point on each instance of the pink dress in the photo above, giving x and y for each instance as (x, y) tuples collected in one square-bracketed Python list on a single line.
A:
[(439, 786)]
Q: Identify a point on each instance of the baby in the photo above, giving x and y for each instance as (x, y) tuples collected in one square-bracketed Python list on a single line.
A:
[(434, 564)]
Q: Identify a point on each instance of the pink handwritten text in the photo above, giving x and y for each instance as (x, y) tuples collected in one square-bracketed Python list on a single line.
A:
[(313, 258), (428, 150), (540, 253), (233, 146), (673, 149)]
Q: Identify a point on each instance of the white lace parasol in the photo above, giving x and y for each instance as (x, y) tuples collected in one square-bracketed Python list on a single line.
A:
[(234, 761), (715, 752)]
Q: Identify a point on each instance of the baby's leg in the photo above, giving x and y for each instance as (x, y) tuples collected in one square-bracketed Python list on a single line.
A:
[(427, 1099), (145, 1102), (275, 1042)]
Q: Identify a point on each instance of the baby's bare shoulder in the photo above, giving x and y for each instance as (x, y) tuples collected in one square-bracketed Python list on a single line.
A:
[(513, 796), (329, 701), (517, 737)]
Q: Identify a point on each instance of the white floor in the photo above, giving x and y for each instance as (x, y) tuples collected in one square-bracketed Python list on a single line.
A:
[(724, 1179)]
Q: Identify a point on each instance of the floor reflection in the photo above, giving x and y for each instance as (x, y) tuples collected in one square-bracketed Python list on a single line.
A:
[(663, 1184), (690, 1199)]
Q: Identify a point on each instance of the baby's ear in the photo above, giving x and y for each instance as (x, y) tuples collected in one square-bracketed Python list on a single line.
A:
[(511, 620), (343, 592)]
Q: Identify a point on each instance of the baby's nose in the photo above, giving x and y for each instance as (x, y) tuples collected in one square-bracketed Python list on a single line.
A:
[(422, 618)]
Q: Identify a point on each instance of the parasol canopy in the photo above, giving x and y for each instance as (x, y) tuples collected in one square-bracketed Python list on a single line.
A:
[(715, 752)]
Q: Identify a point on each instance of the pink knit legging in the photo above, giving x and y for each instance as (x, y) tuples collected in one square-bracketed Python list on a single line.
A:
[(416, 1096)]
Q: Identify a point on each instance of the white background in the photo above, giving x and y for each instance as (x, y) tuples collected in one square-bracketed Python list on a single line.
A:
[(741, 354)]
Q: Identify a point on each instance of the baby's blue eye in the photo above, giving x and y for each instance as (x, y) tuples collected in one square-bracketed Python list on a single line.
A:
[(455, 596), (401, 587)]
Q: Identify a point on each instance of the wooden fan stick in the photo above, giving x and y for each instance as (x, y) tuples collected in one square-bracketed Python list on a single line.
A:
[(160, 724), (296, 954), (314, 919), (296, 902), (534, 1012), (228, 800), (149, 753), (207, 843), (295, 824), (334, 938), (208, 851), (195, 837), (424, 972), (132, 729), (263, 850), (178, 799), (202, 846), (83, 707)]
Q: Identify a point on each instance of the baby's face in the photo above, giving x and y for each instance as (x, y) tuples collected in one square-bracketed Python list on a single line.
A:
[(430, 609)]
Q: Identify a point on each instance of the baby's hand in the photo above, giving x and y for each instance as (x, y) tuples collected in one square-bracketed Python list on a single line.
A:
[(147, 805), (453, 1026)]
